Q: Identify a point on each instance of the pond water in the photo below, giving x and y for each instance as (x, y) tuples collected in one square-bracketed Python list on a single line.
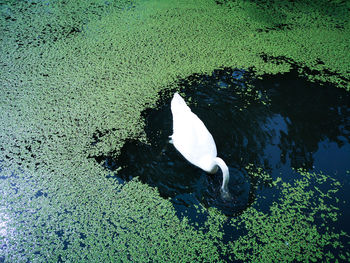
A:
[(277, 123)]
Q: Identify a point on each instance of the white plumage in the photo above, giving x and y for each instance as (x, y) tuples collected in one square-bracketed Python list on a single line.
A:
[(193, 140)]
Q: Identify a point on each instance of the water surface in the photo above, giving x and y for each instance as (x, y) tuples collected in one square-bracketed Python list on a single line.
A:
[(276, 123)]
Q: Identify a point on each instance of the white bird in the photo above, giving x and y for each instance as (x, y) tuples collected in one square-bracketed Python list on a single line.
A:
[(193, 140)]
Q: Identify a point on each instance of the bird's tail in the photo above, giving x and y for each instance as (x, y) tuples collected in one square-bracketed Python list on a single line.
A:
[(178, 104)]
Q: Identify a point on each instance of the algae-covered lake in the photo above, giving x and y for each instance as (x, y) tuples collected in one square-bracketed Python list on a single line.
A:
[(87, 173)]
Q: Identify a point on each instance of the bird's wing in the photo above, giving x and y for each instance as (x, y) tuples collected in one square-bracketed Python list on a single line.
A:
[(192, 138)]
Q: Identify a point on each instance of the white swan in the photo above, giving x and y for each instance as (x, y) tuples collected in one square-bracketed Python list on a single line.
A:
[(193, 140)]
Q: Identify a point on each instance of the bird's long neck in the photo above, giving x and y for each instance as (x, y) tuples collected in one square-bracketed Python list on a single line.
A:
[(225, 173)]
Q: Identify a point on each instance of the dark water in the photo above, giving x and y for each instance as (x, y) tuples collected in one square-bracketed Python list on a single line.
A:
[(277, 123)]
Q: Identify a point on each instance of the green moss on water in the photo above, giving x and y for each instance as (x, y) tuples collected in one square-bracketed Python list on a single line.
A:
[(94, 224), (296, 227), (74, 69)]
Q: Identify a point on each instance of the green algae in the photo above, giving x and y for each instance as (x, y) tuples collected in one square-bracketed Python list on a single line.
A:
[(89, 223), (289, 232), (71, 69)]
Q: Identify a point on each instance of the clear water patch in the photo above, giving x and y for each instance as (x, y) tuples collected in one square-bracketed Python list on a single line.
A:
[(275, 123)]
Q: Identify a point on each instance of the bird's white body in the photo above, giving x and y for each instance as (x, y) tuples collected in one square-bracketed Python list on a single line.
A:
[(193, 140)]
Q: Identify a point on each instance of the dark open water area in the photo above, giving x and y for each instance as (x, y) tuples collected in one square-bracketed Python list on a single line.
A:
[(278, 123)]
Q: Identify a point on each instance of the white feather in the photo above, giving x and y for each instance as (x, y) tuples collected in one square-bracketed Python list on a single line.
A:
[(193, 140)]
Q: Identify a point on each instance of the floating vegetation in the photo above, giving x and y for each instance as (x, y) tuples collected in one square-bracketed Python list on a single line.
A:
[(75, 79), (297, 226)]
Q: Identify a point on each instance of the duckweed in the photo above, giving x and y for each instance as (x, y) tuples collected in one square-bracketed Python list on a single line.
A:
[(74, 69), (296, 227)]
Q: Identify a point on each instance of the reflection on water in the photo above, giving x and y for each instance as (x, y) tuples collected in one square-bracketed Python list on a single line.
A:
[(6, 231), (277, 123)]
